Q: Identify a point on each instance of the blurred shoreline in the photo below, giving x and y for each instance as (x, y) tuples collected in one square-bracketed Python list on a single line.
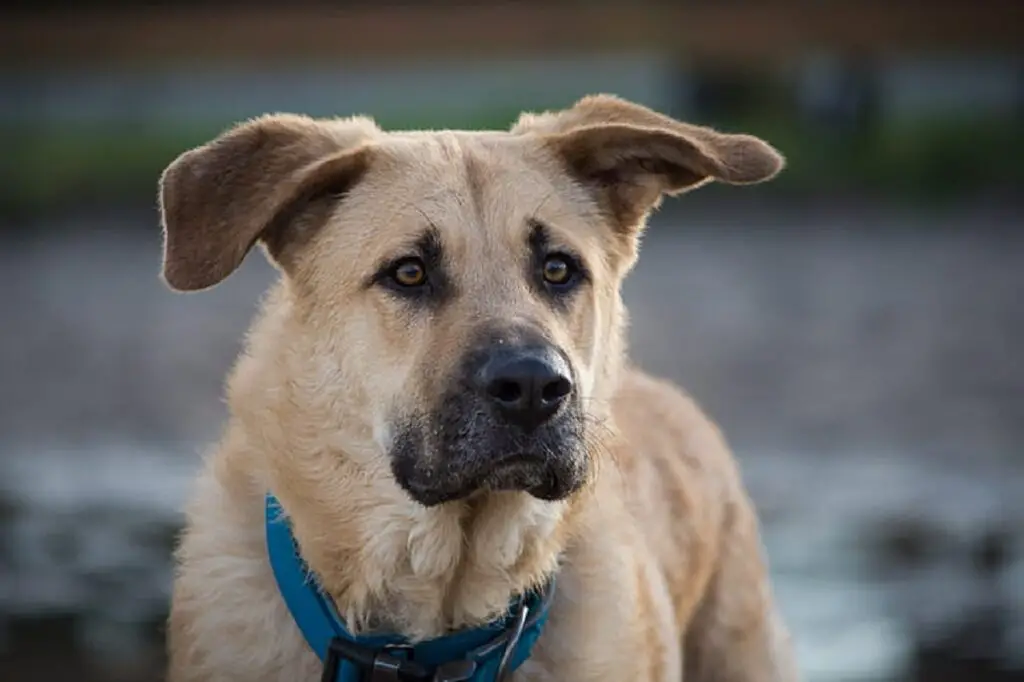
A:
[(854, 326)]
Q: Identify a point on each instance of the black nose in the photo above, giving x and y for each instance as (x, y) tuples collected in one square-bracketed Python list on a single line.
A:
[(527, 385)]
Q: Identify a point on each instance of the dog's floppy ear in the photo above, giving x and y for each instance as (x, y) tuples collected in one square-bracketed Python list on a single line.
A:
[(217, 200), (631, 155)]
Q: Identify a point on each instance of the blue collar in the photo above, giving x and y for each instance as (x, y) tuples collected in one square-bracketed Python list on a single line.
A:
[(484, 654)]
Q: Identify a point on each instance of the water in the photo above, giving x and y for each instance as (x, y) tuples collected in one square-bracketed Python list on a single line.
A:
[(862, 359)]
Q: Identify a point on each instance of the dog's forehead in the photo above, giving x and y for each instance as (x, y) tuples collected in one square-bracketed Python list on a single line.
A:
[(466, 161), (469, 186)]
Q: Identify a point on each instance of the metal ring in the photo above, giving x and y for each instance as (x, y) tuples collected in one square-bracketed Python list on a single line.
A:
[(386, 668), (513, 642)]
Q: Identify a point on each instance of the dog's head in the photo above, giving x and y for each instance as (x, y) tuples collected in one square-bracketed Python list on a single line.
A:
[(464, 286)]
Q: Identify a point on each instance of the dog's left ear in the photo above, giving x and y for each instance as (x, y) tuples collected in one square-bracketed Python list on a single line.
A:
[(631, 156), (249, 184)]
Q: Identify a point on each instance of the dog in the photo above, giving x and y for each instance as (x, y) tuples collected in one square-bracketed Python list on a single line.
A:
[(437, 400)]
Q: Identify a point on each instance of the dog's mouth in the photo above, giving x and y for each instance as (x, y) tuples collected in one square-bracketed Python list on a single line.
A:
[(434, 476), (528, 472)]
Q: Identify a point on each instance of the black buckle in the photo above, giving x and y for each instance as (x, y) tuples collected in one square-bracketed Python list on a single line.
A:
[(339, 650), (388, 668), (380, 666), (383, 666)]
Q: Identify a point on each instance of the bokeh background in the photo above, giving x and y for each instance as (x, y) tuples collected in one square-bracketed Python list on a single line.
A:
[(856, 326)]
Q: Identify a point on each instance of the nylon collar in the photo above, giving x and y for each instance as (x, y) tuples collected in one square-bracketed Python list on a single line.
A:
[(483, 654)]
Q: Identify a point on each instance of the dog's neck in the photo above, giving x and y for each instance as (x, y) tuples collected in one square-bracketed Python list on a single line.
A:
[(388, 562), (393, 565)]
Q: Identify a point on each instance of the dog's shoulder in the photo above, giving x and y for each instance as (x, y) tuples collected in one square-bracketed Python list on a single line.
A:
[(662, 426), (227, 619), (679, 477)]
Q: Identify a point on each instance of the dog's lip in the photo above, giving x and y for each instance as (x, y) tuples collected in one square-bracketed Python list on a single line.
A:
[(521, 459), (542, 480), (535, 468)]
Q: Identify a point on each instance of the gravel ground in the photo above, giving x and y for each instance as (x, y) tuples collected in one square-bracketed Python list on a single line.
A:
[(863, 359)]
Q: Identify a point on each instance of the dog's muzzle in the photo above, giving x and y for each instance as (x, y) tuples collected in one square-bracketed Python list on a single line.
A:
[(512, 420)]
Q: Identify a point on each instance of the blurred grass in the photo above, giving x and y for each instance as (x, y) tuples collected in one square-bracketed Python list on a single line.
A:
[(915, 159), (48, 168)]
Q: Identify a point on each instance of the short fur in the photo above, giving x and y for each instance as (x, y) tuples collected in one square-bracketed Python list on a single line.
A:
[(353, 403)]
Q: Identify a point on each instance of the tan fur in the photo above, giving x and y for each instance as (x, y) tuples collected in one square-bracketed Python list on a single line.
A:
[(658, 556)]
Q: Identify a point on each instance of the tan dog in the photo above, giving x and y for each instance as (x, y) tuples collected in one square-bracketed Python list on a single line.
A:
[(436, 392)]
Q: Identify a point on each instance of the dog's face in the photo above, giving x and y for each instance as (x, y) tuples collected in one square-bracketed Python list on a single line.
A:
[(465, 286)]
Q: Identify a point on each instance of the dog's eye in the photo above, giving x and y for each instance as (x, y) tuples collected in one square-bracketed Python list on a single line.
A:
[(558, 270), (409, 273)]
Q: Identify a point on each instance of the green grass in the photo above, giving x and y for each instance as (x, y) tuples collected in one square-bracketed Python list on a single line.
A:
[(55, 167), (923, 159), (51, 166)]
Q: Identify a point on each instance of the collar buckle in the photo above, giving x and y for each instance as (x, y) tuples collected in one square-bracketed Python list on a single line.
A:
[(381, 665), (388, 668)]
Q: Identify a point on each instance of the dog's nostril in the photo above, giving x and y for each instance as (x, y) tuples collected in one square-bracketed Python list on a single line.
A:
[(555, 390), (506, 391), (528, 386)]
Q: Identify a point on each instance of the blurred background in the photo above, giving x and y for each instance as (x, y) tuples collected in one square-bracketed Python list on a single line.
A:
[(855, 326)]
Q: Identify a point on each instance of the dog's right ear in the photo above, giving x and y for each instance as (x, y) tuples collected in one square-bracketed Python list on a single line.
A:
[(218, 199), (630, 156)]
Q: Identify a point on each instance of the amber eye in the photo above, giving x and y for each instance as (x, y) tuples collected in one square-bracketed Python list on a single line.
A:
[(409, 273), (557, 270)]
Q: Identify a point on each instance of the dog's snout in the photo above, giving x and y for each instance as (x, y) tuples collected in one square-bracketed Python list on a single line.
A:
[(526, 385)]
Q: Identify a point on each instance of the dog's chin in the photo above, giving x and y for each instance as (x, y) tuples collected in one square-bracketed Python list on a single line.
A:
[(531, 475), (544, 479)]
